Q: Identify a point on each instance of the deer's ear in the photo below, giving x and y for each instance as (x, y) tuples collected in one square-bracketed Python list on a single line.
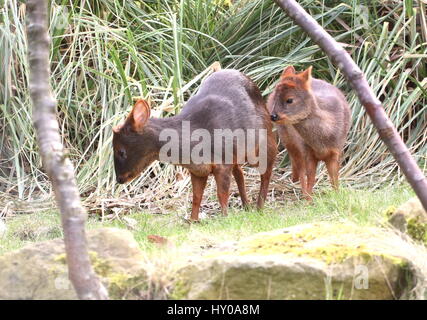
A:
[(288, 71), (139, 114), (306, 77)]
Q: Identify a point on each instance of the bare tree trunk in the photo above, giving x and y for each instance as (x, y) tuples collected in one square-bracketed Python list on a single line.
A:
[(375, 110), (58, 167)]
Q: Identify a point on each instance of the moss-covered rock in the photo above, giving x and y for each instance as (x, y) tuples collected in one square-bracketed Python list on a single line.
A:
[(316, 261), (39, 270), (410, 218)]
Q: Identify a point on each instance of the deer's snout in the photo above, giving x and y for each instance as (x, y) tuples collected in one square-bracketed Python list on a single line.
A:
[(121, 179), (274, 117)]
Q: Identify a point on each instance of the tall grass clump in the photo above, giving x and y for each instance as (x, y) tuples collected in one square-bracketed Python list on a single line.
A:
[(106, 53)]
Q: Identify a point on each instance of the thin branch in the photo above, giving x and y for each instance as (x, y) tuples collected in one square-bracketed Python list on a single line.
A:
[(57, 165), (373, 106)]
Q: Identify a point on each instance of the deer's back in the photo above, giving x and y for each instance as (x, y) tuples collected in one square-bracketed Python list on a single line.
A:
[(227, 100), (332, 101)]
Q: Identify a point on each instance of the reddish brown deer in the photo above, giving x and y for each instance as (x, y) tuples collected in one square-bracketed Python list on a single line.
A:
[(227, 102), (313, 119)]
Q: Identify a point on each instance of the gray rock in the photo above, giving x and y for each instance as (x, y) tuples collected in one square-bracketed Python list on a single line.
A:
[(410, 218)]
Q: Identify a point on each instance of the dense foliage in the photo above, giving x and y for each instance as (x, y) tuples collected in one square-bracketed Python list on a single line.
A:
[(107, 52)]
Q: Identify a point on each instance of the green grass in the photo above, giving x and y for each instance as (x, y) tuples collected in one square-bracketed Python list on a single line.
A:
[(358, 206)]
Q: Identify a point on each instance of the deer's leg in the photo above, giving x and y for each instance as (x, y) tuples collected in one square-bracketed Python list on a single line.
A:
[(199, 184), (302, 177), (294, 145), (266, 175), (299, 169), (295, 167), (311, 166), (333, 166), (222, 176), (298, 154), (265, 181), (240, 180)]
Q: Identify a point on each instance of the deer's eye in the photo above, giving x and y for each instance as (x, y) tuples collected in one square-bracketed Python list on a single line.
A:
[(290, 100), (121, 154)]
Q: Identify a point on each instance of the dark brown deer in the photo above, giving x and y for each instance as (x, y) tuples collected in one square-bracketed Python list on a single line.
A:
[(313, 119), (227, 101)]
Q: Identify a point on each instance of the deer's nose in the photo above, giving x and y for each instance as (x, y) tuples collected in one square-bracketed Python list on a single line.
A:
[(274, 117), (121, 179)]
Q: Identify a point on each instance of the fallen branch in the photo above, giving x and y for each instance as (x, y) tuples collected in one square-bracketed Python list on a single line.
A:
[(57, 165), (357, 80)]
